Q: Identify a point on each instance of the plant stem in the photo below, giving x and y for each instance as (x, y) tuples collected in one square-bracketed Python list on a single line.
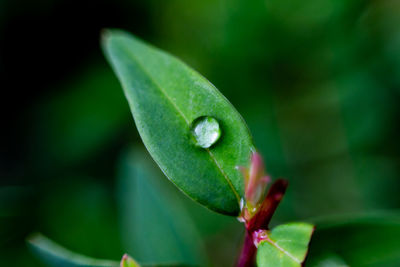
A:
[(263, 216), (261, 221), (246, 258)]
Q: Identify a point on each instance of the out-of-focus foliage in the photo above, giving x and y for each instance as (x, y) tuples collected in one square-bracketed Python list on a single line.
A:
[(356, 241), (78, 120), (318, 83), (54, 255), (155, 225)]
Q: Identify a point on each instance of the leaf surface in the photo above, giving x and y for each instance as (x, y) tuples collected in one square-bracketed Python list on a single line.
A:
[(54, 255), (166, 97), (286, 245)]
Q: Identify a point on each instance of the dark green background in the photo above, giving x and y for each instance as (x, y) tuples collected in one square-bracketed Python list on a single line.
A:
[(317, 81)]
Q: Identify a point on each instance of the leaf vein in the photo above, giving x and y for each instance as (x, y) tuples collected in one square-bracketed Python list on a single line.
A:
[(282, 250)]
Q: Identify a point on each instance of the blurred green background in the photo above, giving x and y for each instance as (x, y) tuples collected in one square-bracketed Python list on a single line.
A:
[(317, 81)]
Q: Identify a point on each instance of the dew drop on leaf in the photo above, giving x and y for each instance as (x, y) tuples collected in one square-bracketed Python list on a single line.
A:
[(206, 131)]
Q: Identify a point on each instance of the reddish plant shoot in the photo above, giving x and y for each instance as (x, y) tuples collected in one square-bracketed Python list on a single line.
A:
[(257, 208)]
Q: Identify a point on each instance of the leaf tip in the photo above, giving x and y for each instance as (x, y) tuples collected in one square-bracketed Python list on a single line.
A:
[(104, 33), (127, 261), (34, 238)]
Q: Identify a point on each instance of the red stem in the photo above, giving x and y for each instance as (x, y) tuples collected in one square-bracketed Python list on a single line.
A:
[(261, 221), (248, 252), (263, 217)]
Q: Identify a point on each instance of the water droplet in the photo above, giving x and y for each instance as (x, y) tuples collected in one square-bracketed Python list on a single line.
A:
[(206, 131)]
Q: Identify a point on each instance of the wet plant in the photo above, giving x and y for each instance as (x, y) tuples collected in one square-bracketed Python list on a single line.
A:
[(203, 146)]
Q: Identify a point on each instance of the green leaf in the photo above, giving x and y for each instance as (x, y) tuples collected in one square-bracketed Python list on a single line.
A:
[(127, 261), (367, 240), (286, 245), (166, 97), (54, 255), (156, 227)]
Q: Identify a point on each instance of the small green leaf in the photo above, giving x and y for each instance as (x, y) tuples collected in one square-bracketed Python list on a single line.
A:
[(127, 261), (54, 255), (166, 97), (286, 245)]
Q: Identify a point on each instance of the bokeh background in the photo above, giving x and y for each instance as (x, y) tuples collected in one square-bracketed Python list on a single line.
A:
[(317, 81)]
